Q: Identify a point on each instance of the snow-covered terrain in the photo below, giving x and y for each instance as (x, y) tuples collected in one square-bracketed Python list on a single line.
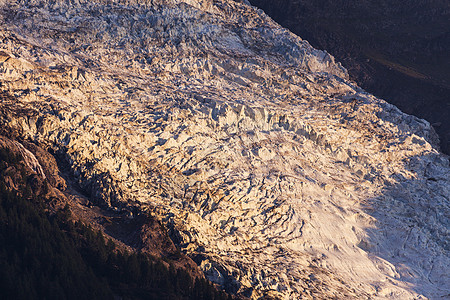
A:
[(279, 175)]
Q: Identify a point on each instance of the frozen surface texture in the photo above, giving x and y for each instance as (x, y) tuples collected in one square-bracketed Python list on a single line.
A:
[(277, 175)]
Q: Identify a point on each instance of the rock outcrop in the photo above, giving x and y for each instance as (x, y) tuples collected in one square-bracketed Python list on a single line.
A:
[(274, 172)]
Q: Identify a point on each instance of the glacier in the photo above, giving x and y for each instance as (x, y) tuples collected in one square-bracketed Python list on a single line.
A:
[(274, 170)]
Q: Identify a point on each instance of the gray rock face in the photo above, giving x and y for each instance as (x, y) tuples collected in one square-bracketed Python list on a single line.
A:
[(282, 177)]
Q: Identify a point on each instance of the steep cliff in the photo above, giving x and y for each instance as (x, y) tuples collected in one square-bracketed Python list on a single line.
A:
[(273, 171)]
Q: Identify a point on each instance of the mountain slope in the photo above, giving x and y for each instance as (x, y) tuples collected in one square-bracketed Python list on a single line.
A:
[(273, 171), (395, 50), (46, 252)]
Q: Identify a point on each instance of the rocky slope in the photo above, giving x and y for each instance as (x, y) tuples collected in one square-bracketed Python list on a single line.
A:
[(395, 50), (276, 174)]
